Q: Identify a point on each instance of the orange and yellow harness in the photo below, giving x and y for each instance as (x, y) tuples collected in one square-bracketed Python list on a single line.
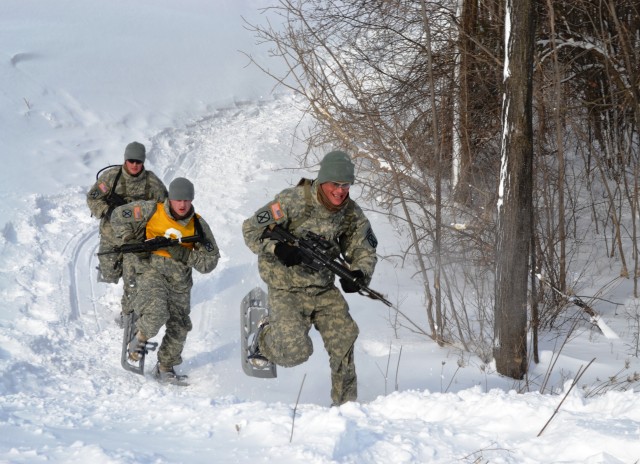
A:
[(163, 225)]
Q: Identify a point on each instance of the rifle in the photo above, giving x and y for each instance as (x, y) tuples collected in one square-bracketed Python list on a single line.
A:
[(315, 251), (113, 199), (152, 244)]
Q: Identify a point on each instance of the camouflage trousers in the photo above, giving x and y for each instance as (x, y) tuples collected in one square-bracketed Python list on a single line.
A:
[(116, 265), (286, 342), (110, 265), (130, 262), (159, 299)]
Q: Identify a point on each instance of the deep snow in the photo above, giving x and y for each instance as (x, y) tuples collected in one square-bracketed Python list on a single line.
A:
[(81, 79)]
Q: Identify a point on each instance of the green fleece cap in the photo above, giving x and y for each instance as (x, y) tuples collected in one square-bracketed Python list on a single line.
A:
[(336, 166), (181, 189), (135, 151)]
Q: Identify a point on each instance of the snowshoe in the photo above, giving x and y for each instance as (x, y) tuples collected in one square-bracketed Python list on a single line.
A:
[(133, 354), (253, 318), (256, 358)]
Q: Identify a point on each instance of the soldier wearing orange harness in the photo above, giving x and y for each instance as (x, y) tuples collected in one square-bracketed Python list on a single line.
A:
[(163, 278)]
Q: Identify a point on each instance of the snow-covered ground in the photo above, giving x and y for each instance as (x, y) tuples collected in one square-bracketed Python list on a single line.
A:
[(81, 79)]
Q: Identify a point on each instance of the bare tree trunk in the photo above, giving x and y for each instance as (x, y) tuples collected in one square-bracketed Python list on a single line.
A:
[(437, 281), (634, 216), (462, 152), (515, 193), (535, 311), (457, 107), (559, 125)]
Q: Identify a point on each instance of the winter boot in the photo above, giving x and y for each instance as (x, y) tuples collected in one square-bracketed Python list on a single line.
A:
[(137, 347), (256, 358), (166, 375)]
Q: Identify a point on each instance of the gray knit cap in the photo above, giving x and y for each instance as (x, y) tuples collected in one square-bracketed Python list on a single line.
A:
[(135, 151), (336, 166), (181, 189)]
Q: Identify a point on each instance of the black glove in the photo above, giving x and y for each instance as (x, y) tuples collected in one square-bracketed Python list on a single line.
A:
[(112, 202), (288, 255), (179, 253), (350, 287)]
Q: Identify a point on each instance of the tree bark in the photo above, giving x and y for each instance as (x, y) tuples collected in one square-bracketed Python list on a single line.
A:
[(515, 193)]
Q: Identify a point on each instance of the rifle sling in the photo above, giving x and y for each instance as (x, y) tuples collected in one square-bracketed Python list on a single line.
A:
[(115, 182), (147, 185)]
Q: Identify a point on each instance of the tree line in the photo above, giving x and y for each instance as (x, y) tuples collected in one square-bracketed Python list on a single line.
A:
[(428, 99)]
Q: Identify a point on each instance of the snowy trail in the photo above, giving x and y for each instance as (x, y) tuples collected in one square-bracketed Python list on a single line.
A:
[(82, 276), (184, 152), (205, 151), (68, 399), (81, 79), (72, 379), (85, 366)]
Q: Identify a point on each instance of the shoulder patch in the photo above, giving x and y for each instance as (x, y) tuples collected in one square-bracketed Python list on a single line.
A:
[(134, 212), (263, 216), (103, 187), (276, 210), (269, 214)]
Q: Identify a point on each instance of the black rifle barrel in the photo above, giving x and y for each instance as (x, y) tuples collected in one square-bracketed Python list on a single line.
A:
[(310, 247), (152, 244)]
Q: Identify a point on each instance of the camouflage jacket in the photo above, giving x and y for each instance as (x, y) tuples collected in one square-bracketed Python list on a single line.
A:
[(348, 229), (129, 224), (146, 186)]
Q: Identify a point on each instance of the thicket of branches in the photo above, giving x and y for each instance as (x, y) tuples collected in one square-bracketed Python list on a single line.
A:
[(413, 89)]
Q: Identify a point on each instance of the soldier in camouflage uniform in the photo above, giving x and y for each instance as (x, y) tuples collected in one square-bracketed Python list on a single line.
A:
[(131, 182), (300, 297), (162, 279)]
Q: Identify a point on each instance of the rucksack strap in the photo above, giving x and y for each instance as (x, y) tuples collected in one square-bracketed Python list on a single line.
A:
[(115, 182), (107, 167), (308, 204), (198, 226)]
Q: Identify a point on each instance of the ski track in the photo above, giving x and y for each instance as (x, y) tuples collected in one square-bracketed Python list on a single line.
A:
[(82, 279)]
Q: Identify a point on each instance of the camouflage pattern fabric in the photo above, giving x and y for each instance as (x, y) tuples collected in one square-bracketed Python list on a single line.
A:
[(160, 287), (286, 342), (129, 265), (348, 229), (162, 297), (300, 297), (111, 265), (145, 186)]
